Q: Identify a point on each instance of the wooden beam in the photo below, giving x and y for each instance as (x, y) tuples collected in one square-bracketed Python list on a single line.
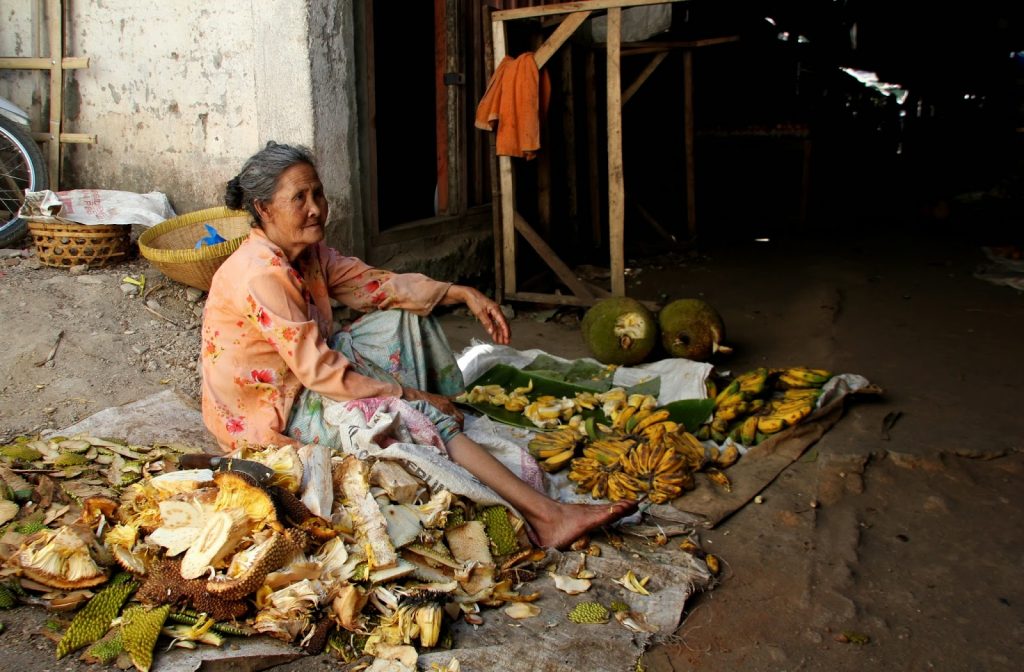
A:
[(551, 258), (38, 63), (616, 199), (564, 31), (557, 299), (68, 138), (643, 76), (570, 7), (688, 137), (55, 21)]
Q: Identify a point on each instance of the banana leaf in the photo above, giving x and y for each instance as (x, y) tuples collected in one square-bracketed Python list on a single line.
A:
[(690, 413)]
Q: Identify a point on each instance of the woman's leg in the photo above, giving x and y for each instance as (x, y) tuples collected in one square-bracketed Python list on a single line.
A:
[(556, 524)]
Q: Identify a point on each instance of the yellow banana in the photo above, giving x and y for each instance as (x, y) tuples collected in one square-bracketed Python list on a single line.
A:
[(652, 418), (556, 462), (728, 457), (719, 479), (748, 431), (768, 424)]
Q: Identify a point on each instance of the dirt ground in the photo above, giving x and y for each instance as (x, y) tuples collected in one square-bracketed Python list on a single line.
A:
[(901, 551)]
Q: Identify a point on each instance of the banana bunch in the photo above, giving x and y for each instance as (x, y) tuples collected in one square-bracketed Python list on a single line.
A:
[(553, 450), (601, 460), (762, 402), (658, 469)]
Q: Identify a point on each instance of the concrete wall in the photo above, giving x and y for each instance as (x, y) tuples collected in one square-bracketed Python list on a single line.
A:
[(181, 93)]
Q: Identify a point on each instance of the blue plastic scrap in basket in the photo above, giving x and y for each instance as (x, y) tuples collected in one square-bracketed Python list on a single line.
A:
[(212, 237)]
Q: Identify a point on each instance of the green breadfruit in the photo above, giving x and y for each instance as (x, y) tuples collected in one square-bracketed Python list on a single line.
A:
[(93, 621), (692, 329), (619, 331), (499, 529)]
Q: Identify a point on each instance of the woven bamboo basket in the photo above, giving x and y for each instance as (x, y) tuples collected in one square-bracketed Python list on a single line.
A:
[(170, 246), (66, 244)]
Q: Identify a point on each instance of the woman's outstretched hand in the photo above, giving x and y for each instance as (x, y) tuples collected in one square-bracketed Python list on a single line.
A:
[(438, 401), (486, 311)]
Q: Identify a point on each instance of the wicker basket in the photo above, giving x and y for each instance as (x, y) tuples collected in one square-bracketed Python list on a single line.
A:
[(170, 245), (66, 244)]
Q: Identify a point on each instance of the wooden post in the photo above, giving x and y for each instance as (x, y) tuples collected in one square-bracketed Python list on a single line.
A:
[(616, 200), (55, 21), (442, 140), (569, 134), (691, 188), (487, 26), (508, 194), (593, 178)]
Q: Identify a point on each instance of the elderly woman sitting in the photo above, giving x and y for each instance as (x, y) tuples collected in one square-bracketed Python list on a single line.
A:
[(269, 358)]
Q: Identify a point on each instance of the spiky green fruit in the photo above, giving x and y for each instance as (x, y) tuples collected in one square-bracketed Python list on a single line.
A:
[(69, 460), (106, 650), (499, 529), (140, 628), (619, 331), (93, 621), (692, 329), (589, 612)]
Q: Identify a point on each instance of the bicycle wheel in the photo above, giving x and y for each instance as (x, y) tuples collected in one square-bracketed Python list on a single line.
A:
[(21, 167)]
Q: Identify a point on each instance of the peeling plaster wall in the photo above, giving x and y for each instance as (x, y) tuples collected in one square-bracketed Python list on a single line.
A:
[(181, 93)]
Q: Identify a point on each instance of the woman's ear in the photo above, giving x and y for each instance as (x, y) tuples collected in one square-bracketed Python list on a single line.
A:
[(261, 209)]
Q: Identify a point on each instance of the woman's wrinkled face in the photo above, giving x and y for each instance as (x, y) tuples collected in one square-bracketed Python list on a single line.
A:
[(295, 215)]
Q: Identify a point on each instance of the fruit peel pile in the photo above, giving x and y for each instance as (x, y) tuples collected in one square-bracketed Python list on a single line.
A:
[(197, 556)]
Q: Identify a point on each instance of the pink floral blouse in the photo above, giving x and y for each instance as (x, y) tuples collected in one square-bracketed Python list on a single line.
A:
[(265, 327)]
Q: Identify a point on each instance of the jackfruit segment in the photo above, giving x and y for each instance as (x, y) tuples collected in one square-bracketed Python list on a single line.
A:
[(284, 461), (370, 526), (106, 650), (59, 560), (223, 531), (403, 523), (181, 481), (589, 612), (236, 490), (20, 452), (500, 529), (140, 628), (469, 543), (401, 486), (288, 612), (250, 567), (165, 585), (93, 621)]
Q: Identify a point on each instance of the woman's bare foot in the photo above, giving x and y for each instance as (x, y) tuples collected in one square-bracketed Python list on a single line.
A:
[(572, 521)]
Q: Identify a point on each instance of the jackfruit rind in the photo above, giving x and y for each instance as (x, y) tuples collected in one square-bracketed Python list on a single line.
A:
[(499, 529), (140, 628), (106, 650), (93, 621), (692, 329), (619, 331), (20, 452), (589, 612), (7, 599)]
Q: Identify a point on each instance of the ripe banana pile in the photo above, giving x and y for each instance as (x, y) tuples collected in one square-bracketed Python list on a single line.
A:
[(642, 454), (549, 412), (763, 402)]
